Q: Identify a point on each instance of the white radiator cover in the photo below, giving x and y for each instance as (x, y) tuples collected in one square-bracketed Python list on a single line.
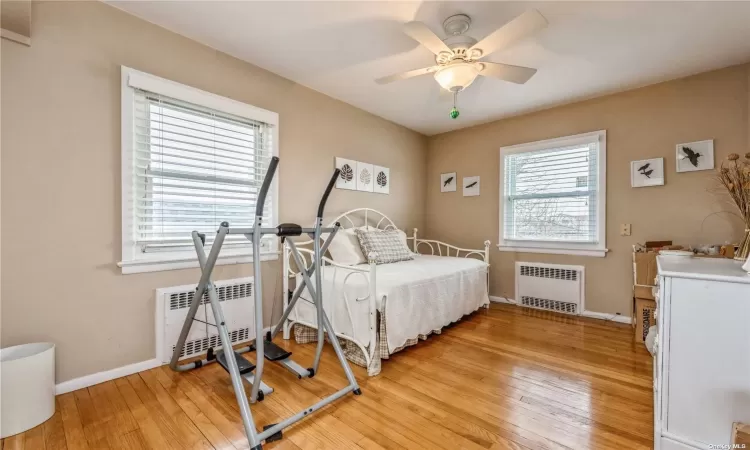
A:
[(172, 304), (551, 287)]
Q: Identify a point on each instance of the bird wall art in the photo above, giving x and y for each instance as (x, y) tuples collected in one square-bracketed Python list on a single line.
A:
[(694, 156), (647, 172), (691, 155)]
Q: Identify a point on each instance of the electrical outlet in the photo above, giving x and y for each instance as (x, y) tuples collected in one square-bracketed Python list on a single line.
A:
[(625, 229)]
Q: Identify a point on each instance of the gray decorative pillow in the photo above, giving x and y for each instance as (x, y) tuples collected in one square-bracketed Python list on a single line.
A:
[(388, 246)]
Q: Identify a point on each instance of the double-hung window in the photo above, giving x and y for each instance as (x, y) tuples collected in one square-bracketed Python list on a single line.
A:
[(190, 160), (553, 196)]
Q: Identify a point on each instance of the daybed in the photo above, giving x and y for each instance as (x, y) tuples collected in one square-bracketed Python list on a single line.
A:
[(377, 310)]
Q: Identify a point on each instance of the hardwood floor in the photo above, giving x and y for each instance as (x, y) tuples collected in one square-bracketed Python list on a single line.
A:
[(503, 378)]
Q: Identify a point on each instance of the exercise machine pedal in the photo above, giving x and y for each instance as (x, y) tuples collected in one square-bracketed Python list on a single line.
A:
[(243, 365), (274, 353), (278, 355), (274, 437), (246, 371)]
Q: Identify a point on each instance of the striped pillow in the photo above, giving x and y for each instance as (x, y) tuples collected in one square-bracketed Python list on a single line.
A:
[(388, 246)]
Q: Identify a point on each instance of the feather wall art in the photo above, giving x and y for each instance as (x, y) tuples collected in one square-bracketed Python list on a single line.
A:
[(471, 186), (448, 182)]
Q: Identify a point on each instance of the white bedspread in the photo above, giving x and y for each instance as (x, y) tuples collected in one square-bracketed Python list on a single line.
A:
[(420, 296)]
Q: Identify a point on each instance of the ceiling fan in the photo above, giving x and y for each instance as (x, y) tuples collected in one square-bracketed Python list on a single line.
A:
[(458, 56)]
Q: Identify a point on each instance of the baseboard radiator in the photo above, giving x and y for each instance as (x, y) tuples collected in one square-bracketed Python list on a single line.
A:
[(551, 287), (172, 303)]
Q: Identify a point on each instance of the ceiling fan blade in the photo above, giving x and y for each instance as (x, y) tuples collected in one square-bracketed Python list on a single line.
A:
[(420, 33), (506, 72), (405, 75), (519, 28)]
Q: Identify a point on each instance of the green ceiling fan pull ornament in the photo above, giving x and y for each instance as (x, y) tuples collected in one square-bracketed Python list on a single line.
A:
[(454, 111)]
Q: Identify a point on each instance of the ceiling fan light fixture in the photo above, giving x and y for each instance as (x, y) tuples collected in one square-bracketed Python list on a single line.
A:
[(457, 77)]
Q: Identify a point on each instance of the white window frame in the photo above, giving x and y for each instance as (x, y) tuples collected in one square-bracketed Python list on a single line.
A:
[(134, 260), (599, 248)]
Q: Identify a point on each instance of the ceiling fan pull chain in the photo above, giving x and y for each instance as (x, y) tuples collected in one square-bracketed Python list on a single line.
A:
[(454, 111)]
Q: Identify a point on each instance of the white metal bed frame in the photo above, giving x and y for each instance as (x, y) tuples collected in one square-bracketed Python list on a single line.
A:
[(350, 219)]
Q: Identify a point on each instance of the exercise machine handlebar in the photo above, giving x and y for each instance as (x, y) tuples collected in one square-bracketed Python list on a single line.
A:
[(266, 186), (323, 200)]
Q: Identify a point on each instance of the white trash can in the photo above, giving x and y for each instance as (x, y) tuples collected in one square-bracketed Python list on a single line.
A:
[(27, 387)]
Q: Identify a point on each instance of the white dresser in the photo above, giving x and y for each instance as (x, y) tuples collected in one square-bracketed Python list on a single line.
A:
[(702, 357)]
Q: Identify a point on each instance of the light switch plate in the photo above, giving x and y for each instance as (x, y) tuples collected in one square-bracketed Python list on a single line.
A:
[(625, 229)]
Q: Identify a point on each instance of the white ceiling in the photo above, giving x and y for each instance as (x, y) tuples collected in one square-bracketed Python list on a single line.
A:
[(338, 48)]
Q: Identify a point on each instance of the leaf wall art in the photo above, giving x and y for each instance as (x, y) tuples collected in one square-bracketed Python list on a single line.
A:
[(382, 180), (346, 178), (361, 176)]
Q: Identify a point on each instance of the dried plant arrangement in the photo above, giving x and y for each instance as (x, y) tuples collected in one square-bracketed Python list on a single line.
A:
[(734, 176)]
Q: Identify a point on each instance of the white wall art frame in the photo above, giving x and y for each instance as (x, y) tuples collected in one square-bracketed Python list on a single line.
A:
[(382, 184), (448, 182), (693, 156), (347, 178), (647, 172), (365, 177), (471, 186)]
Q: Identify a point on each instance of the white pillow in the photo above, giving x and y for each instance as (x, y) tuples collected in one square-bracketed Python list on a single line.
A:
[(344, 248)]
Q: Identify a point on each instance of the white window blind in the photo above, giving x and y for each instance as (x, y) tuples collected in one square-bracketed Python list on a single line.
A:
[(194, 167), (551, 194)]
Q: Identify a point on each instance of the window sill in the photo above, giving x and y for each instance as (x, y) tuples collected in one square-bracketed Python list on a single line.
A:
[(599, 253), (148, 265)]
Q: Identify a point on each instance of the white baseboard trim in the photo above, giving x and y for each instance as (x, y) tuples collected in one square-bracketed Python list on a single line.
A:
[(609, 317), (107, 375), (119, 372), (591, 314)]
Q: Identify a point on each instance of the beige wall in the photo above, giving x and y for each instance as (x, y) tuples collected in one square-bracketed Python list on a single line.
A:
[(15, 16), (640, 124), (61, 175)]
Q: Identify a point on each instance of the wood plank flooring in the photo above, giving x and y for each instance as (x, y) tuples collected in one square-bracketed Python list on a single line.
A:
[(503, 378)]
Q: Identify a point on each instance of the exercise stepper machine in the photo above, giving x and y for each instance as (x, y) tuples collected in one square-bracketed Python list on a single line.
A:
[(231, 359)]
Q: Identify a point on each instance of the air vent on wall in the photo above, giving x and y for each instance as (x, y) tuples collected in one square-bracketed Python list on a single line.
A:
[(550, 287), (200, 346), (550, 305), (179, 300), (171, 309), (549, 272)]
